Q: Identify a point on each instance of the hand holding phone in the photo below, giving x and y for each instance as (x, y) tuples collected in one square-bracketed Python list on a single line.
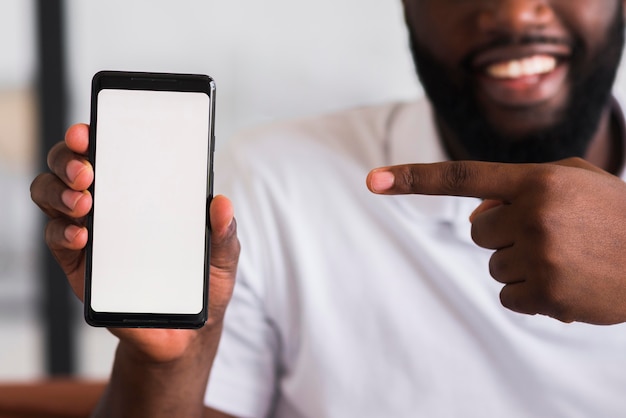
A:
[(151, 146), (177, 361)]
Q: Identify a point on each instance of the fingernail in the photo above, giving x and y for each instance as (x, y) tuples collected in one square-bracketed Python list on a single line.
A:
[(381, 181), (232, 225), (71, 232), (73, 170), (70, 198)]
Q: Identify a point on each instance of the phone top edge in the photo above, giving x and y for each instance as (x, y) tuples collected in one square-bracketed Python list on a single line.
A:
[(156, 76), (148, 74)]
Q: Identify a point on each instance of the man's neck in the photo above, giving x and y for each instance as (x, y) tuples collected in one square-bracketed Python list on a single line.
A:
[(450, 143), (606, 149)]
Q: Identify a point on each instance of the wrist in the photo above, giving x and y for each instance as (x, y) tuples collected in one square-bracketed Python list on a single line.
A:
[(164, 370), (167, 347)]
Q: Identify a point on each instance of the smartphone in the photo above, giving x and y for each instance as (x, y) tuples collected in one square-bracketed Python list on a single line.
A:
[(151, 146)]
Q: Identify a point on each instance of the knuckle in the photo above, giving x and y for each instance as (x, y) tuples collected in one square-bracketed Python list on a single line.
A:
[(475, 234), (574, 162), (53, 154), (51, 232), (455, 176), (578, 162), (408, 179), (543, 230), (36, 185), (554, 298), (536, 227), (547, 179), (556, 307), (510, 300), (479, 233), (42, 192), (496, 267)]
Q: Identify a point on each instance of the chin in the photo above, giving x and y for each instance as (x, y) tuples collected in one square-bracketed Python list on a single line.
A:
[(517, 125), (518, 122)]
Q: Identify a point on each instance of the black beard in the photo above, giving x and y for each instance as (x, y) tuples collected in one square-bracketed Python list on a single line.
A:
[(460, 111)]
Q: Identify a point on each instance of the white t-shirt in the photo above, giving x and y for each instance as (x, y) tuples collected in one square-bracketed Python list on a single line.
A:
[(350, 304)]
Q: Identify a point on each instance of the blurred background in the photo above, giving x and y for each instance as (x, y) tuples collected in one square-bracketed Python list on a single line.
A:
[(271, 60)]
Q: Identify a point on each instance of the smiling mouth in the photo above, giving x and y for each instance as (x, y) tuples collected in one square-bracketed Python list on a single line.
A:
[(525, 67), (523, 77)]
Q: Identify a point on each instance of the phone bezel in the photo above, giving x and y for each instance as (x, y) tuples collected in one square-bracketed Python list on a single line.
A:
[(129, 80)]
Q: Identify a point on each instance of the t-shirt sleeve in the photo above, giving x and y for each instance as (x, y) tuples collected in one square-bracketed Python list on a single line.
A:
[(243, 378)]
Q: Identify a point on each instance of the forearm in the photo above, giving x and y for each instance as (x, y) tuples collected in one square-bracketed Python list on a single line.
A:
[(50, 398), (140, 388)]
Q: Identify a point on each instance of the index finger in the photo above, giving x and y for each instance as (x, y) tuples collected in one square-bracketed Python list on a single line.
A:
[(453, 178), (77, 138)]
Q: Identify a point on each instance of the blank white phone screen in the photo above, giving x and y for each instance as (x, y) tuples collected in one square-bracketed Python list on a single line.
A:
[(150, 191)]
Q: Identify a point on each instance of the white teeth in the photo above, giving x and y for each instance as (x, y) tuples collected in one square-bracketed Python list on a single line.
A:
[(525, 67)]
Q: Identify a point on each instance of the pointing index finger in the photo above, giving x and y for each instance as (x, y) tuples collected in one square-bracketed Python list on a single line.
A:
[(454, 178)]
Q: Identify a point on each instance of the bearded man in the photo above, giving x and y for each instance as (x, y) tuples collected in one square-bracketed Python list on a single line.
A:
[(351, 304)]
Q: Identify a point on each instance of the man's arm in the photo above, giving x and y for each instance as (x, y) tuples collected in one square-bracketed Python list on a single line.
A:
[(142, 387), (157, 372), (558, 230)]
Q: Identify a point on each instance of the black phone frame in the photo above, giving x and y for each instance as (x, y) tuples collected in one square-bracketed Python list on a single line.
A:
[(155, 81)]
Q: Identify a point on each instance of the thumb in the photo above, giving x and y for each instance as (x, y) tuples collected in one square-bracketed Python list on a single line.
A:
[(483, 207), (224, 242), (224, 255)]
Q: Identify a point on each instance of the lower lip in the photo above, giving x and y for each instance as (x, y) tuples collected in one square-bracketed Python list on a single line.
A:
[(524, 91)]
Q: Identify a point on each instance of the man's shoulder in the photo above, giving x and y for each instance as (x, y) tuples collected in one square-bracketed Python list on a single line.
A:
[(363, 123), (365, 136)]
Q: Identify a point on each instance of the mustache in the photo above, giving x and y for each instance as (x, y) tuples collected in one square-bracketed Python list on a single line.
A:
[(504, 41)]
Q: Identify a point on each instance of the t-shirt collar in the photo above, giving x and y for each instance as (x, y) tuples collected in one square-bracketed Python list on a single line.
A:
[(413, 138)]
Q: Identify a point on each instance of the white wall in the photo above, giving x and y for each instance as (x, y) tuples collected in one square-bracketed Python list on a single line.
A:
[(17, 35), (271, 59)]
